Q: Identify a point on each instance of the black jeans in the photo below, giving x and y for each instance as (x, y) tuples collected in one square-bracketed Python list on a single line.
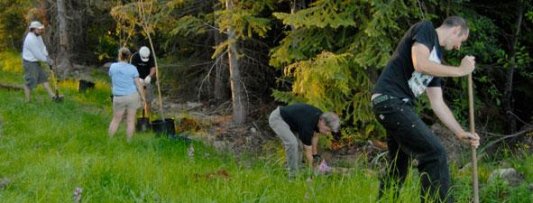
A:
[(408, 135)]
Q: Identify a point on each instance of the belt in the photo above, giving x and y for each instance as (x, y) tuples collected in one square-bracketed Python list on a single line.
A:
[(381, 98), (29, 61)]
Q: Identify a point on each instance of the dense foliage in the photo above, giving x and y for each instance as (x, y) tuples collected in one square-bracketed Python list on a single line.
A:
[(327, 53)]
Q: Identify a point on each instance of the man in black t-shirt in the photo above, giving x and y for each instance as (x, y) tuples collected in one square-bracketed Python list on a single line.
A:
[(146, 67), (415, 68), (307, 122)]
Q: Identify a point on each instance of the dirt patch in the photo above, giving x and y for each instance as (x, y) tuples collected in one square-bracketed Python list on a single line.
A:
[(455, 148), (212, 124), (220, 174)]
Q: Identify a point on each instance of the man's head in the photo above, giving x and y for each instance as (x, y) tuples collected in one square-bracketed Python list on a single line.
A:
[(36, 27), (456, 32), (144, 52), (329, 123)]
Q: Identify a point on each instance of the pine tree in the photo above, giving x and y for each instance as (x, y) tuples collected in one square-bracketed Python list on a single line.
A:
[(334, 52)]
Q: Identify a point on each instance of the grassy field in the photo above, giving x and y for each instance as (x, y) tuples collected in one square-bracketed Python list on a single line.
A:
[(48, 149)]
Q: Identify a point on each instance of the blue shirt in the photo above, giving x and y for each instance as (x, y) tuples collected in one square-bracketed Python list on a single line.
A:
[(123, 78)]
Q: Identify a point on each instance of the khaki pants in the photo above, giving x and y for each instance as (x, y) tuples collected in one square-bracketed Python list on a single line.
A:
[(290, 142), (121, 103)]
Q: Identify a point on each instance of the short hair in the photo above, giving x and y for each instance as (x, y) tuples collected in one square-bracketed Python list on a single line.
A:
[(123, 54), (332, 120), (454, 21)]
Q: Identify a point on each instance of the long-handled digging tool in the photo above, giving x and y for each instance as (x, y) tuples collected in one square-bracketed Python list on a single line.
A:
[(57, 97), (143, 123), (475, 185)]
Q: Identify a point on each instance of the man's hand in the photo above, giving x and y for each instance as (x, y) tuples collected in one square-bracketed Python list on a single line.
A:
[(147, 80), (472, 138), (468, 63), (50, 62), (316, 159)]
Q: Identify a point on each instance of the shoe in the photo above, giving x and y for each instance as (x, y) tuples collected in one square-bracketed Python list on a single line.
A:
[(58, 98)]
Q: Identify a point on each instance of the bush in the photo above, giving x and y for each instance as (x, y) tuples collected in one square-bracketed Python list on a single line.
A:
[(10, 61)]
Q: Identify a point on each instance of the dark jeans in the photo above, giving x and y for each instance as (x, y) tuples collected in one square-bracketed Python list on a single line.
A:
[(408, 135)]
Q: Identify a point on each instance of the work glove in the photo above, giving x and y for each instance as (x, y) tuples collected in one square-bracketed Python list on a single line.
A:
[(147, 80), (324, 168)]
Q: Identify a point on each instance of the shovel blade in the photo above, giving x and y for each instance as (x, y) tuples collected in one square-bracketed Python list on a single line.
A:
[(143, 124)]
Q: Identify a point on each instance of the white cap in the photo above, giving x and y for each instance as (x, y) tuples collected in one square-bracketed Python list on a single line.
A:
[(36, 24), (144, 52)]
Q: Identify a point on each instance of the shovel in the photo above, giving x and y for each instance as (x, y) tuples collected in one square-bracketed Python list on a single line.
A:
[(475, 184), (143, 123), (57, 98)]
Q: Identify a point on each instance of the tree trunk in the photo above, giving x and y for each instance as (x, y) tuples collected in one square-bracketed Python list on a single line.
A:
[(297, 5), (221, 74), (220, 89), (237, 93), (62, 59), (508, 102)]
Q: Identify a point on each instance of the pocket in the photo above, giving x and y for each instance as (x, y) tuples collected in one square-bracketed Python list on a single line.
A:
[(388, 106), (389, 113)]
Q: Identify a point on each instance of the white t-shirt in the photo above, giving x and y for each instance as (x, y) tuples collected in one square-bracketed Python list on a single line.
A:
[(34, 49)]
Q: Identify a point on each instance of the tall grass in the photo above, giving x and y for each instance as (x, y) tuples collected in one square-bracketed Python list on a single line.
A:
[(48, 149)]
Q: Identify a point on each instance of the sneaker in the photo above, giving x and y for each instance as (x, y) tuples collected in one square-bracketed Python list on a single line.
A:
[(58, 98)]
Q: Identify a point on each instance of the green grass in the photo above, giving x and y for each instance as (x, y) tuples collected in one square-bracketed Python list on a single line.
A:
[(48, 149)]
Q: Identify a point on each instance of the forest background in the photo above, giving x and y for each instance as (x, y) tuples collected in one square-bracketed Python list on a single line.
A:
[(252, 55), (325, 53)]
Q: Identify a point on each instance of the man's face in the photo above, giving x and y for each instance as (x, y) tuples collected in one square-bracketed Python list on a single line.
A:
[(323, 128), (456, 39), (39, 31)]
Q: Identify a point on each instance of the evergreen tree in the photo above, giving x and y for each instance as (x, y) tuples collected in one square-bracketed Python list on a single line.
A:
[(334, 52)]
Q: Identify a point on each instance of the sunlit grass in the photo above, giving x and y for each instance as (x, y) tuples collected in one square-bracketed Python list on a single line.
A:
[(48, 149)]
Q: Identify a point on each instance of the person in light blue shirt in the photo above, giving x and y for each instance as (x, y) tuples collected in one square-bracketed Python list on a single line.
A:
[(127, 93)]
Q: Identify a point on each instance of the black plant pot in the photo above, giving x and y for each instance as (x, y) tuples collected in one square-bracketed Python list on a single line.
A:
[(84, 85), (164, 127)]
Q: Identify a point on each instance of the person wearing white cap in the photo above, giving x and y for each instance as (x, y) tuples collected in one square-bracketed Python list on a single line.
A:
[(146, 67), (302, 123), (33, 52)]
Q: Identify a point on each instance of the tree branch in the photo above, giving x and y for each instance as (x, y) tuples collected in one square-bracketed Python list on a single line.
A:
[(504, 137)]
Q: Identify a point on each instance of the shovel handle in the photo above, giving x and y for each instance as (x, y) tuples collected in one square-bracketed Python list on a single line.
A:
[(475, 185), (144, 109)]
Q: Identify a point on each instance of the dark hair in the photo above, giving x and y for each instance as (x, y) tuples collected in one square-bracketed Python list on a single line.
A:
[(123, 54), (454, 21)]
